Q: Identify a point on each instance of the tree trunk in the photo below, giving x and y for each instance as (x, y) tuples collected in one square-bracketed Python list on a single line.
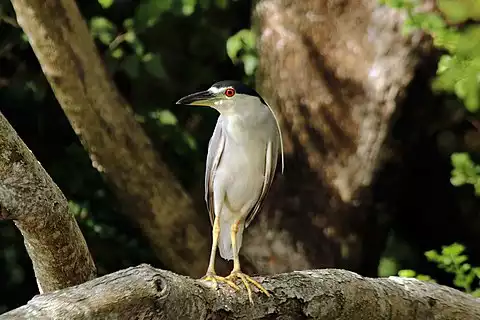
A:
[(117, 145), (146, 293), (336, 73), (28, 196)]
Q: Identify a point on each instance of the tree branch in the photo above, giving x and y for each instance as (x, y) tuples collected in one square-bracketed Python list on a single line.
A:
[(52, 237), (116, 143), (143, 292)]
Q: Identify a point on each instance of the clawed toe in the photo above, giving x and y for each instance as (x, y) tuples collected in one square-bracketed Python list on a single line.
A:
[(245, 280), (215, 279)]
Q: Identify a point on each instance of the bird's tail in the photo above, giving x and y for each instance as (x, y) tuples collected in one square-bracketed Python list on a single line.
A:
[(224, 240)]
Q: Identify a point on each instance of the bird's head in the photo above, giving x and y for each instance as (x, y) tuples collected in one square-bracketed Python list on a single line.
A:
[(227, 97)]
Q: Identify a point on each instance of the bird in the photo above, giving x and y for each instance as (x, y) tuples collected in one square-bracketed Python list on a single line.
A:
[(240, 168)]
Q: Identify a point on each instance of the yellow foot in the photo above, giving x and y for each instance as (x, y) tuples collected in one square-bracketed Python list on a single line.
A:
[(212, 277), (246, 279)]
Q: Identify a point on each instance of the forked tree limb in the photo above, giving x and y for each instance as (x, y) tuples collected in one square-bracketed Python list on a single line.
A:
[(143, 292), (116, 143), (57, 248)]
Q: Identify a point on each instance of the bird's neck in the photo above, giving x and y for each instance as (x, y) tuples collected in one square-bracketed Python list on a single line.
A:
[(240, 128), (244, 116)]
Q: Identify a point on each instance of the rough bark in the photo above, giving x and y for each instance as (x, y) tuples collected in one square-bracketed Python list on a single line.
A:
[(117, 145), (336, 73), (146, 293), (28, 196)]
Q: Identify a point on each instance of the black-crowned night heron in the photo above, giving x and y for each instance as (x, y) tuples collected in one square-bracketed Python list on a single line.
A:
[(241, 162)]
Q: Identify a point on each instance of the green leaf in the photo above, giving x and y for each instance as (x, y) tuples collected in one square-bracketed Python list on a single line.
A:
[(465, 171), (466, 266), (248, 37), (128, 24), (117, 53), (130, 36), (460, 159), (458, 11), (430, 21), (423, 277), (409, 25), (134, 42), (244, 39), (105, 3), (466, 47), (458, 180), (188, 7), (454, 249), (387, 267), (103, 29), (407, 273), (460, 259), (476, 270), (432, 255), (234, 45), (101, 23), (444, 64), (164, 117)]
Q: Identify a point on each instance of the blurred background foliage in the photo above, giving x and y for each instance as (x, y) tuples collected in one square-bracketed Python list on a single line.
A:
[(156, 51), (454, 28), (159, 50)]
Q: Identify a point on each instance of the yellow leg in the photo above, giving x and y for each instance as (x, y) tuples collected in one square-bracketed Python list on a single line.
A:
[(213, 251), (211, 275), (237, 271)]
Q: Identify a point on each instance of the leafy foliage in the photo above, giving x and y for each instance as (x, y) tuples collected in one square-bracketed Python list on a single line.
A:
[(458, 73), (241, 47), (465, 171), (453, 260), (459, 11), (458, 70)]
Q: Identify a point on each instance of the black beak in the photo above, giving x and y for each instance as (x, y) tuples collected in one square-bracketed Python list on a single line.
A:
[(202, 98)]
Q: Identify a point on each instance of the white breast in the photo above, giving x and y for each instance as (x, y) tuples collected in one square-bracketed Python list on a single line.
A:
[(240, 172)]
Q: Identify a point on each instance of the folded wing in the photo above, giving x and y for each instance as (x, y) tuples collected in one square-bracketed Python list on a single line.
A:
[(215, 151), (271, 155)]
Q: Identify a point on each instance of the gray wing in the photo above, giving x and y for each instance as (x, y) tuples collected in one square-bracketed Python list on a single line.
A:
[(271, 155), (215, 150)]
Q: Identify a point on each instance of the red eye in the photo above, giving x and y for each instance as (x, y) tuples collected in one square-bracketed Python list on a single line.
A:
[(230, 92)]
